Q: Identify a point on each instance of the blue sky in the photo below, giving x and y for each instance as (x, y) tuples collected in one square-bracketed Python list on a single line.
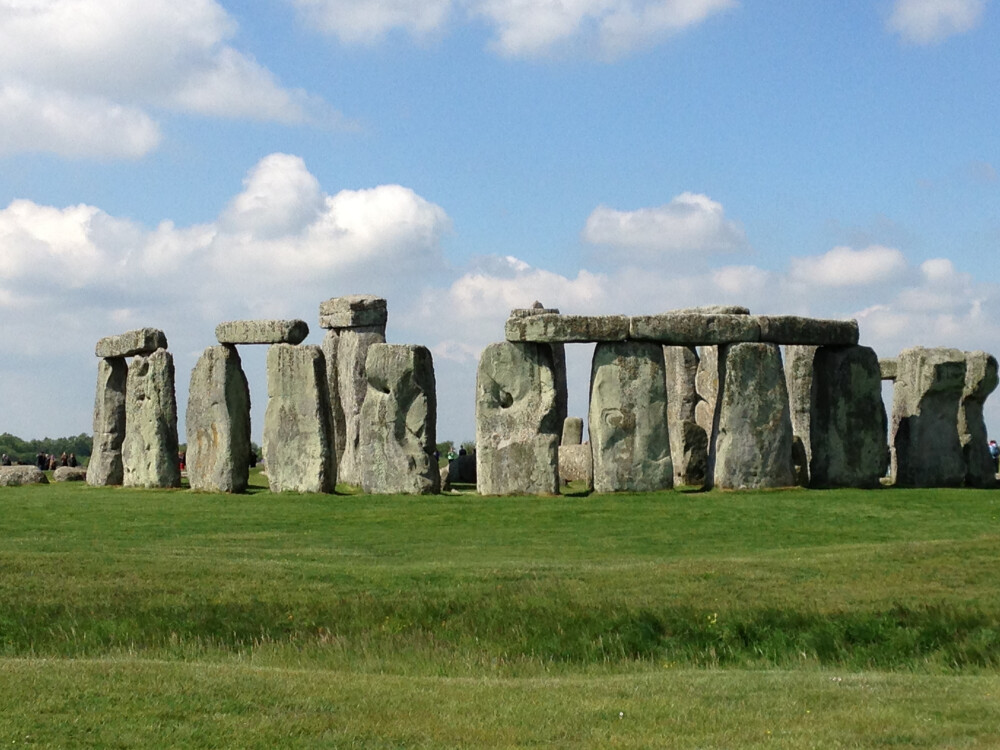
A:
[(177, 163)]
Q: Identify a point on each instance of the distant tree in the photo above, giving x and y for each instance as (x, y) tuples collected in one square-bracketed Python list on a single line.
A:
[(26, 450)]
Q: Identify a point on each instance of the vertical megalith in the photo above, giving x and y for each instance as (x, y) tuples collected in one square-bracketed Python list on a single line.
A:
[(218, 422), (980, 382), (517, 420), (847, 424), (149, 451), (105, 467), (926, 449), (688, 440), (706, 385), (398, 422), (752, 443), (572, 432), (298, 445), (558, 358), (628, 418), (799, 360)]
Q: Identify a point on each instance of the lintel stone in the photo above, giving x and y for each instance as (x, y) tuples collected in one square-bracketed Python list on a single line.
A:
[(799, 331), (353, 311), (550, 328), (694, 328), (889, 368), (140, 341), (262, 332)]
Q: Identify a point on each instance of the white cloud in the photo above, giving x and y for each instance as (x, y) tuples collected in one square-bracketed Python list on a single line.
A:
[(845, 267), (367, 21), (932, 21), (690, 223)]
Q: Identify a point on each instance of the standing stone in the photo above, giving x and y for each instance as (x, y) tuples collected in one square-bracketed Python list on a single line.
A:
[(688, 441), (980, 382), (398, 422), (149, 451), (218, 422), (105, 467), (926, 449), (576, 464), (517, 420), (799, 362), (847, 424), (628, 418), (558, 358), (298, 446), (572, 433), (752, 445), (707, 387)]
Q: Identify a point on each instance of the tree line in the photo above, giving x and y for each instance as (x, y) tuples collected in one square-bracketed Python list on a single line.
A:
[(26, 450)]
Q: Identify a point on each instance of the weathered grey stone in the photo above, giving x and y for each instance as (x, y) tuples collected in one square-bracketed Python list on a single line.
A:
[(691, 452), (149, 451), (791, 329), (346, 351), (70, 474), (398, 422), (262, 332), (980, 382), (566, 329), (848, 425), (517, 421), (752, 445), (888, 368), (689, 458), (16, 476), (926, 450), (628, 418), (354, 311), (576, 464), (711, 310), (707, 386), (799, 361), (298, 445), (558, 357), (218, 422), (105, 467), (572, 432), (463, 469), (536, 309), (131, 343), (693, 329)]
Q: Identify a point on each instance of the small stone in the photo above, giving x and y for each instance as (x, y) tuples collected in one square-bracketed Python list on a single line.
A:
[(262, 332), (576, 464), (141, 341), (70, 474), (550, 328), (572, 433), (354, 311), (16, 476)]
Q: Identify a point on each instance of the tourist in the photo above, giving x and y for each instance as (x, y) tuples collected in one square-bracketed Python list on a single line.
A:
[(72, 459), (64, 460), (995, 452), (5, 461)]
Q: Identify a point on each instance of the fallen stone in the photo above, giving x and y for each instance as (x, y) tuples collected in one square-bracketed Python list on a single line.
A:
[(888, 368), (628, 418), (694, 329), (141, 341), (399, 421), (16, 476), (791, 329), (262, 332), (70, 474), (567, 329), (354, 311), (517, 420), (149, 451), (682, 400), (106, 468), (576, 464), (297, 442), (980, 382), (218, 423), (572, 432), (752, 445)]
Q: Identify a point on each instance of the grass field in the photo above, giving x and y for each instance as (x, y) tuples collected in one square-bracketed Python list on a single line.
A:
[(693, 620)]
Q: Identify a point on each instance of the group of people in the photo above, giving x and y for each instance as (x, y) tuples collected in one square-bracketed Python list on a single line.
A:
[(51, 462)]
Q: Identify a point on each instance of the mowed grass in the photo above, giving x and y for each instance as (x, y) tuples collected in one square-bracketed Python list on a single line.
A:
[(784, 618)]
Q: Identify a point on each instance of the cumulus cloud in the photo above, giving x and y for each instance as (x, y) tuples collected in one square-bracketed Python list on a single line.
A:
[(367, 21), (933, 21), (845, 267), (77, 78), (690, 223)]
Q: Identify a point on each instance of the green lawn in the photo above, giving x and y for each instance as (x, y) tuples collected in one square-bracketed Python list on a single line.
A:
[(774, 619)]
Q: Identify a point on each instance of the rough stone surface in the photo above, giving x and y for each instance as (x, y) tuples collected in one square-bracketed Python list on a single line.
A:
[(980, 382), (262, 332), (105, 467), (628, 418), (752, 445), (517, 420), (706, 384), (848, 425), (566, 329), (346, 352), (691, 452), (576, 464), (298, 445), (129, 344), (711, 310), (558, 357), (791, 329), (354, 311), (70, 474), (682, 401), (463, 469), (693, 329), (218, 422), (799, 360), (149, 451), (926, 449), (398, 422), (572, 432), (888, 367), (15, 476)]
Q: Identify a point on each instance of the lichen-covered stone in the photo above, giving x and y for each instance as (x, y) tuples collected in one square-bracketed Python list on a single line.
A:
[(517, 420), (298, 445), (689, 459), (398, 422), (16, 476), (106, 467), (980, 382), (926, 449), (691, 452), (149, 451), (888, 367), (752, 445), (262, 332), (354, 311), (558, 357), (694, 329), (218, 422), (711, 310), (792, 329), (572, 433), (628, 418), (576, 464), (799, 361), (566, 329), (70, 474), (141, 341), (706, 383)]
